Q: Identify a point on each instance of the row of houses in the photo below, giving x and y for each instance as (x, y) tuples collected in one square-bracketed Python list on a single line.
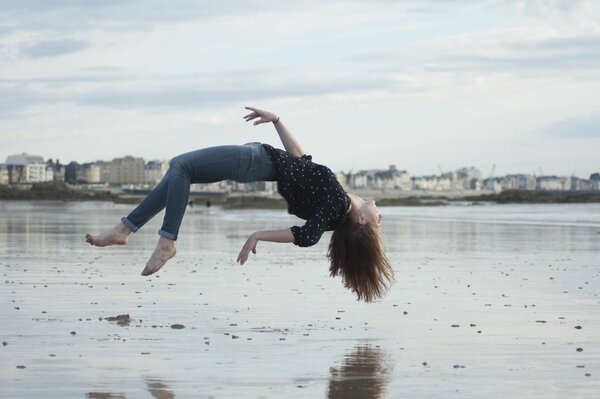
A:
[(25, 168)]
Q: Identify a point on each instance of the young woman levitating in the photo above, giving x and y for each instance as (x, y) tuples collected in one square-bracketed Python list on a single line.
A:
[(311, 191)]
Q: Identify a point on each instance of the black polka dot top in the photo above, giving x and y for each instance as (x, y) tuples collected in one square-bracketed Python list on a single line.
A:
[(312, 193)]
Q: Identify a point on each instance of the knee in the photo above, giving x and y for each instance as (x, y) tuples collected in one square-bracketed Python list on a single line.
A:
[(177, 164)]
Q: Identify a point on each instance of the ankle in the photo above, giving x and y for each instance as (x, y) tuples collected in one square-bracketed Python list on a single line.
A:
[(123, 229), (165, 243)]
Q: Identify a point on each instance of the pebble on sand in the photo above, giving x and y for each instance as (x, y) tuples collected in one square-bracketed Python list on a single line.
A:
[(20, 367), (122, 319), (177, 326)]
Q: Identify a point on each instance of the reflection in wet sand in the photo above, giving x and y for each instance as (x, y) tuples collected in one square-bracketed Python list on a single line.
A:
[(363, 374), (106, 395), (158, 389)]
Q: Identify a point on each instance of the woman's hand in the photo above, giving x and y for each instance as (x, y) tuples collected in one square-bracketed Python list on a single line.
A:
[(265, 116), (249, 246)]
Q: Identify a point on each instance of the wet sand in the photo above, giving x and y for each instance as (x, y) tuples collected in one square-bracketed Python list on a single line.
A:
[(484, 306)]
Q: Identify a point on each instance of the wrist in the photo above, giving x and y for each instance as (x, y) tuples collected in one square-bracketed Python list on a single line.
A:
[(276, 120)]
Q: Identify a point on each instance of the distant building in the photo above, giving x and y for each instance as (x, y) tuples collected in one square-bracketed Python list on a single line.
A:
[(3, 174), (553, 183), (57, 169), (25, 168), (155, 170), (578, 184), (127, 170), (90, 173), (595, 181), (493, 184), (519, 182), (72, 172), (391, 179), (469, 178)]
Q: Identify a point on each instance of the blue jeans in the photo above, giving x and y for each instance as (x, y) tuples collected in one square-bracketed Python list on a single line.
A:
[(242, 163)]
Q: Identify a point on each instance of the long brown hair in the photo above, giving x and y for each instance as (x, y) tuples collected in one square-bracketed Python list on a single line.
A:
[(356, 254)]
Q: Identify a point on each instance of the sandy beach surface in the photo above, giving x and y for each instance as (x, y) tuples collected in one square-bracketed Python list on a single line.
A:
[(496, 301)]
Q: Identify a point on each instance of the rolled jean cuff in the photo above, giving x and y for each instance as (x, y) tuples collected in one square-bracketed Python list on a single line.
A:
[(166, 234), (129, 225)]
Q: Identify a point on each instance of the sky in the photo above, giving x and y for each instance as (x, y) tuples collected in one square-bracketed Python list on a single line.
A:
[(426, 85)]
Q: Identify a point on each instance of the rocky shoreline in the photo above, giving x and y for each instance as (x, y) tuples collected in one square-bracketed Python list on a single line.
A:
[(59, 191)]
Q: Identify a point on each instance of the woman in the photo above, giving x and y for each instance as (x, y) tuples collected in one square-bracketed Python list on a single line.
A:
[(311, 191)]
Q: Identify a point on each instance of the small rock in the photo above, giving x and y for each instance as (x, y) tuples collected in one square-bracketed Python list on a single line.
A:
[(20, 367), (177, 326), (122, 319), (4, 343), (578, 327), (579, 349), (73, 333)]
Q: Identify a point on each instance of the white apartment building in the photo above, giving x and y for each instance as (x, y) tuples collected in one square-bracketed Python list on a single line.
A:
[(25, 168), (553, 183)]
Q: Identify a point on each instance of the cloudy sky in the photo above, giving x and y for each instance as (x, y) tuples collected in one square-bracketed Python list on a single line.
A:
[(422, 84)]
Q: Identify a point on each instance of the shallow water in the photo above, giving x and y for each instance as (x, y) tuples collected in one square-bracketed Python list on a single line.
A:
[(488, 302)]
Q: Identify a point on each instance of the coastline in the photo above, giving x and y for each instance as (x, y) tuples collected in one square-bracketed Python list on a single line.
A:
[(59, 191)]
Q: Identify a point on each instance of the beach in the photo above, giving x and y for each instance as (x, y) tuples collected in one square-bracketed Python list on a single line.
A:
[(490, 300)]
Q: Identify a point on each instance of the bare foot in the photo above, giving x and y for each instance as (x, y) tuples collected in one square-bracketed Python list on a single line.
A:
[(165, 250), (118, 235)]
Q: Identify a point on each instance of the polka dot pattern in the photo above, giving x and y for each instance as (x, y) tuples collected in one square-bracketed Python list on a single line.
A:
[(312, 193)]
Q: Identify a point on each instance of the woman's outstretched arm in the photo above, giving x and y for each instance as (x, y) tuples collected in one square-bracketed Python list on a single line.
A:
[(284, 235), (289, 142)]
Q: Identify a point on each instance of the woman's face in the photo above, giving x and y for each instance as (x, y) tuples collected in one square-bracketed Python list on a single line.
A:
[(365, 211)]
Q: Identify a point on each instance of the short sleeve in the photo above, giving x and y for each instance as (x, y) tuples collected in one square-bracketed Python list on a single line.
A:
[(307, 157), (310, 234)]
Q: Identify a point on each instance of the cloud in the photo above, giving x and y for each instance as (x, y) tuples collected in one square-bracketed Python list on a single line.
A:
[(575, 128), (54, 48), (124, 15), (124, 92), (513, 52)]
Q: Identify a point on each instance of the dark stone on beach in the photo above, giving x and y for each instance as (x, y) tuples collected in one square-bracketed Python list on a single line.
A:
[(588, 375), (405, 312), (122, 319), (4, 343), (234, 337), (540, 321), (20, 367), (578, 327), (455, 325), (424, 363), (177, 326), (73, 333), (579, 349), (458, 366)]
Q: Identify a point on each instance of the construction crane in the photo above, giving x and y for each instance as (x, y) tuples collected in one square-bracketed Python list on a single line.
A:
[(492, 172)]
